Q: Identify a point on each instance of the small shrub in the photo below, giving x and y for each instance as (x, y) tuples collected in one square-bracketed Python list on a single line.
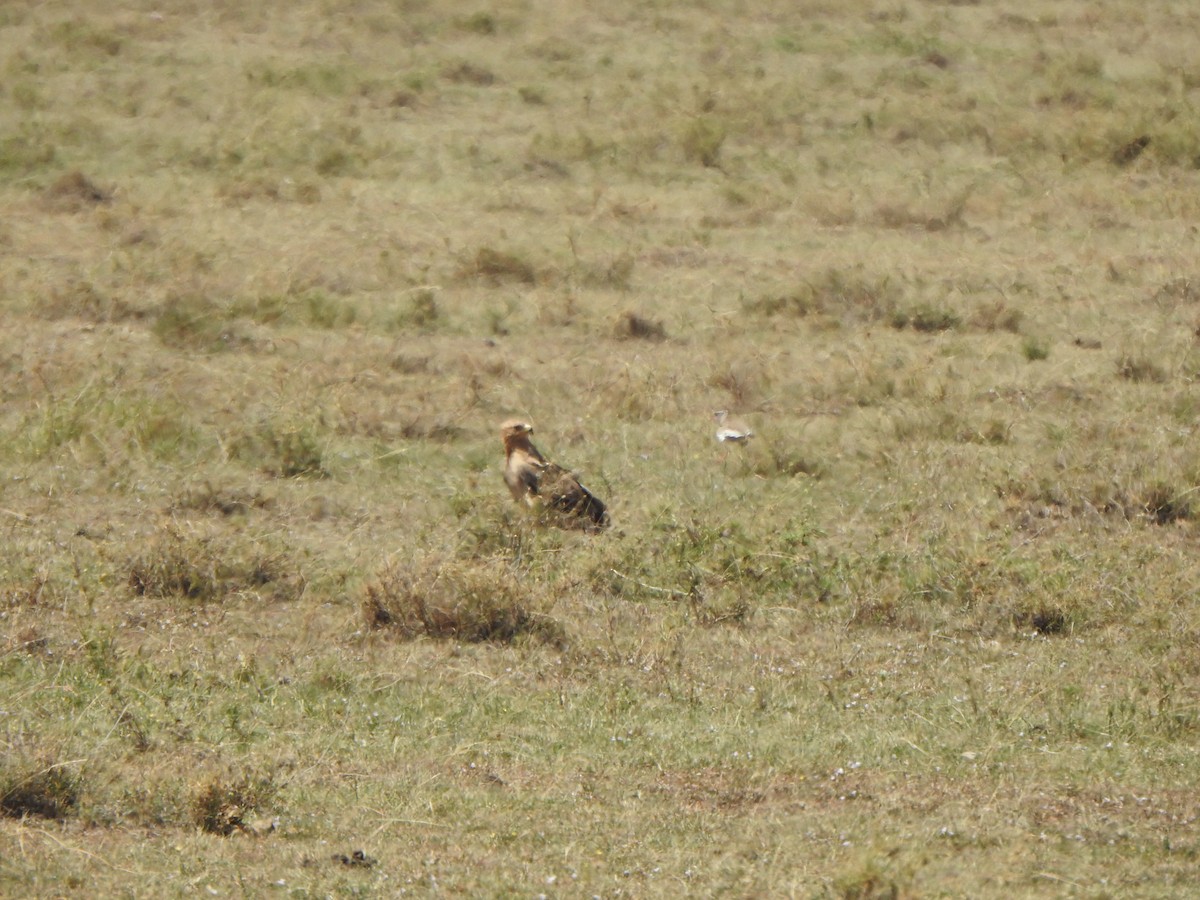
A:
[(1035, 349)]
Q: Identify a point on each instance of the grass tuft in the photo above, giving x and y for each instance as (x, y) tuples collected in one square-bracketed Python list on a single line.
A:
[(45, 790), (871, 882), (193, 321), (223, 804), (1046, 618), (847, 296), (1035, 349), (927, 318), (75, 191), (481, 22), (422, 311), (207, 570), (631, 326), (1165, 505), (1141, 368), (224, 501), (998, 316), (283, 449), (469, 73), (702, 140), (789, 463), (497, 267), (1129, 151), (469, 601)]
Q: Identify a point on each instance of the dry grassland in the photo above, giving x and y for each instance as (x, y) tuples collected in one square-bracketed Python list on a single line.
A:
[(271, 274)]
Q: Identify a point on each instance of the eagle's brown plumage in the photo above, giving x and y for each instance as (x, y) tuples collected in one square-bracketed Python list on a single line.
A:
[(534, 480)]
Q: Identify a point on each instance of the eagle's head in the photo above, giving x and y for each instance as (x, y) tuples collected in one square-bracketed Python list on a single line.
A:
[(514, 427), (515, 433)]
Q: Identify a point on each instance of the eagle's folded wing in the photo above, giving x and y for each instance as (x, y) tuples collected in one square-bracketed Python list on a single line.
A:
[(561, 490)]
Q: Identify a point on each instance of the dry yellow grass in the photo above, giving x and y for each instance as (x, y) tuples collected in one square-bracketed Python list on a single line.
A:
[(271, 273)]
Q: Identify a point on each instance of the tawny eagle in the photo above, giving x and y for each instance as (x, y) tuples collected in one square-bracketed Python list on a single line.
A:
[(536, 481)]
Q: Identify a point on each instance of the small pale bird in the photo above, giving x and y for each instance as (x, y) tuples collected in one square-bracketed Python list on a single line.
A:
[(731, 430), (534, 480)]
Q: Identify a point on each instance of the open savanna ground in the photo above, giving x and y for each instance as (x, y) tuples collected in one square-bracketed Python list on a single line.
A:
[(272, 274)]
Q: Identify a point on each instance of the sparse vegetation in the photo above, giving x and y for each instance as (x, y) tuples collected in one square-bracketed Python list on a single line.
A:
[(271, 276)]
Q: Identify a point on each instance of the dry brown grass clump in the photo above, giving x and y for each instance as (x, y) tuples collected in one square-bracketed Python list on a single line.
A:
[(496, 267), (48, 791), (475, 602), (223, 805), (75, 191), (630, 325), (206, 569)]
